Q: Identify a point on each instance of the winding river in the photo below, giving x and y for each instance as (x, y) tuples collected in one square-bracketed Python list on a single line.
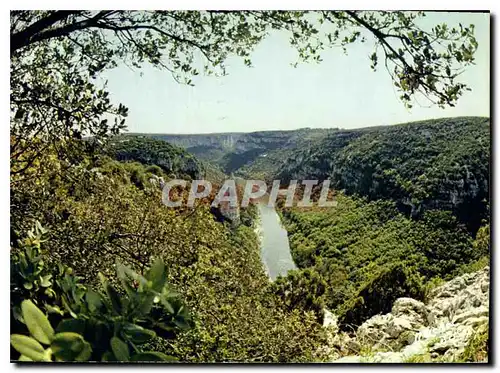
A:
[(275, 249)]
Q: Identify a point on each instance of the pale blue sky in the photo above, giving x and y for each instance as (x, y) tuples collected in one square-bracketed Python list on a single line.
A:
[(342, 91)]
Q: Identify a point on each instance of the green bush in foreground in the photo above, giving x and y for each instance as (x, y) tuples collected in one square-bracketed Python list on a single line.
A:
[(103, 326)]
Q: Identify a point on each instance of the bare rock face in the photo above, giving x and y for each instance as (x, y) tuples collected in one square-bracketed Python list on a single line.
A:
[(441, 329), (411, 309)]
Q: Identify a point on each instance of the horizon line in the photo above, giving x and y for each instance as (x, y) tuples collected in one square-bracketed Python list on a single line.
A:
[(301, 128)]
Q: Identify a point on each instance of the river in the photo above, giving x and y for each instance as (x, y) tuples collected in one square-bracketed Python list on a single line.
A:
[(275, 249)]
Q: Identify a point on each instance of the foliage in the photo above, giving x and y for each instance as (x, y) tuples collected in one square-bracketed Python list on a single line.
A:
[(478, 347), (483, 239), (28, 265), (302, 289), (420, 60), (238, 318), (66, 346), (96, 209), (369, 254), (248, 215), (170, 159), (57, 56), (101, 320), (234, 152), (96, 213), (430, 285), (437, 164), (379, 292), (419, 358), (475, 265), (314, 160)]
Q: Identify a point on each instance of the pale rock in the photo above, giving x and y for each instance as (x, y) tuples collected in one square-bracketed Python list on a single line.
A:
[(442, 328), (397, 326), (485, 286), (349, 359), (330, 320), (477, 321), (475, 312)]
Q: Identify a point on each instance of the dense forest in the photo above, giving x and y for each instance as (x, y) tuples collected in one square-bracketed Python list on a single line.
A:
[(413, 210), (437, 164), (171, 159), (357, 258), (98, 214), (101, 270)]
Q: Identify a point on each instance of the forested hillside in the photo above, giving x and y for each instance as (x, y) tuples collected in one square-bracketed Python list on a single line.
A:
[(231, 151), (171, 159), (217, 304), (437, 164), (357, 258)]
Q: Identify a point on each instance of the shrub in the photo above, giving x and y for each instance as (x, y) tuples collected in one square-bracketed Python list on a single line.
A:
[(103, 326)]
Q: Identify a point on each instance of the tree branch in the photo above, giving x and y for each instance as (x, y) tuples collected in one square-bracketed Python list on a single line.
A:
[(22, 38), (19, 41)]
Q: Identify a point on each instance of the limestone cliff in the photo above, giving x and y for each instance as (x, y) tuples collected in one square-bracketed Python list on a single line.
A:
[(446, 328)]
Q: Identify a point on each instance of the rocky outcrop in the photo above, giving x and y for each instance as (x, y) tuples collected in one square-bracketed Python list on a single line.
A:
[(440, 329), (157, 181), (231, 214)]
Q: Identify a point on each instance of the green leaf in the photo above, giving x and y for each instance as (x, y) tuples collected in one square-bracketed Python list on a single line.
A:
[(94, 300), (24, 358), (181, 323), (17, 314), (137, 334), (120, 349), (28, 347), (167, 305), (54, 309), (115, 299), (108, 356), (112, 294), (45, 281), (71, 325), (86, 353), (121, 272), (67, 346), (146, 303), (152, 356), (28, 285), (157, 275), (37, 322), (67, 307), (165, 326)]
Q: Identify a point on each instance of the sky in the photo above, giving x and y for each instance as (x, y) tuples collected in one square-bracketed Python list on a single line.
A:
[(342, 91)]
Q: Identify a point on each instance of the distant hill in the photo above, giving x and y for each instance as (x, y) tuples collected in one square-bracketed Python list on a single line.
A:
[(171, 159), (231, 151), (435, 164)]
